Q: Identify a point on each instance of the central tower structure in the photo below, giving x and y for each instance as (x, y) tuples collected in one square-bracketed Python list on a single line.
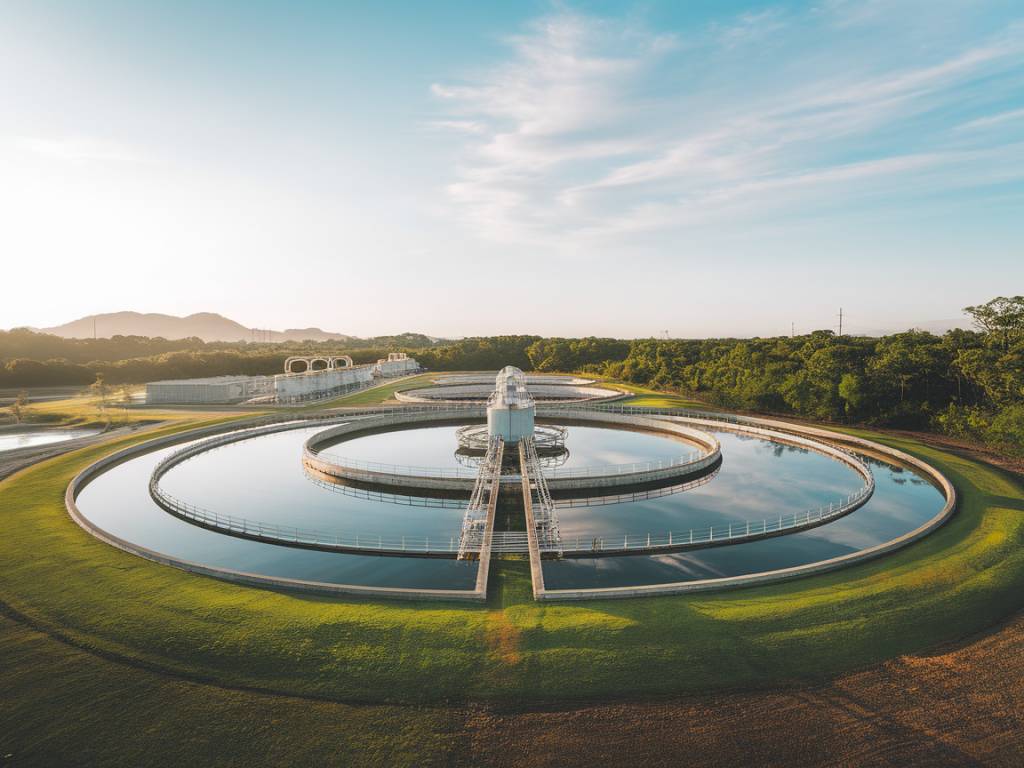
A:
[(511, 409)]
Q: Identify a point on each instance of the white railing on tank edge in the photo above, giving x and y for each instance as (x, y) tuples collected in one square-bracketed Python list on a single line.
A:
[(469, 474), (245, 527), (731, 533), (432, 502), (626, 468), (735, 532), (398, 469), (286, 534)]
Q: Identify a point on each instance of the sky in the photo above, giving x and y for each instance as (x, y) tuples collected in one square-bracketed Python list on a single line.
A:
[(463, 168)]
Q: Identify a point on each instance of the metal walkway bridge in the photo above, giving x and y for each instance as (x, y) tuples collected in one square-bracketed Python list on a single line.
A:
[(480, 512), (478, 522)]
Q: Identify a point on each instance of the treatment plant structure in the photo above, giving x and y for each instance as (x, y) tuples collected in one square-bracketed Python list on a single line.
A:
[(726, 500), (336, 375)]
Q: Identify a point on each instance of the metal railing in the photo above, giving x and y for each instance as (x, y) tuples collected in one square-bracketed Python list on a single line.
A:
[(544, 515), (485, 490), (408, 470), (725, 533), (489, 475), (318, 539), (429, 502), (626, 469), (635, 495), (283, 534), (399, 469)]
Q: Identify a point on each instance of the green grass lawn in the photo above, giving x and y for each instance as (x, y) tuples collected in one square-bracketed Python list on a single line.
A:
[(650, 398), (960, 579), (63, 706), (87, 410)]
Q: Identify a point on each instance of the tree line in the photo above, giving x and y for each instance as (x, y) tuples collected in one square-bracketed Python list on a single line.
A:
[(965, 383)]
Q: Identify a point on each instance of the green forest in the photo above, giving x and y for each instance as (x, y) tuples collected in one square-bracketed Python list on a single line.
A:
[(965, 383)]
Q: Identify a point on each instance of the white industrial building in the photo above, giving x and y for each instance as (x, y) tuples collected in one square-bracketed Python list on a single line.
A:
[(313, 385), (335, 379), (397, 364), (216, 389)]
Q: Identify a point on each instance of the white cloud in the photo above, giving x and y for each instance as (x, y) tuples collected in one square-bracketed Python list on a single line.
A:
[(458, 126), (592, 129), (1012, 115), (750, 27)]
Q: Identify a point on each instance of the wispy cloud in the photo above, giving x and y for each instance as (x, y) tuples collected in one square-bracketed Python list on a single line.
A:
[(1001, 118), (750, 27), (595, 128), (472, 127)]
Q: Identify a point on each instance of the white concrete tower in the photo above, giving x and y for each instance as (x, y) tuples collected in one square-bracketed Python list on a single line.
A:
[(510, 410)]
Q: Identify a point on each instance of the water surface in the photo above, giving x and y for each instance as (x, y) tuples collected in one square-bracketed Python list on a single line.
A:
[(10, 441)]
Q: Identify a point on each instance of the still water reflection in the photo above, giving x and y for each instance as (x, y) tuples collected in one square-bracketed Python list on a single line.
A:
[(10, 441), (262, 479)]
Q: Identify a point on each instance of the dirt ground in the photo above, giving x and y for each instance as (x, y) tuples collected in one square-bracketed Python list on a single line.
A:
[(962, 706)]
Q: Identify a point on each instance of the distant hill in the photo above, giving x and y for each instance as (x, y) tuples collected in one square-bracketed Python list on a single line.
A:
[(207, 326)]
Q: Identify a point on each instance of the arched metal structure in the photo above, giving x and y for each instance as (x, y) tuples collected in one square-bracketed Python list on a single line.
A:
[(296, 359), (330, 362)]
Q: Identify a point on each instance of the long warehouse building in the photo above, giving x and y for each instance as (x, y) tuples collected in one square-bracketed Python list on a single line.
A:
[(282, 388)]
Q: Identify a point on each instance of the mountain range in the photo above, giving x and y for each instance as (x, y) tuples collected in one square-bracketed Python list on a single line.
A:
[(208, 326)]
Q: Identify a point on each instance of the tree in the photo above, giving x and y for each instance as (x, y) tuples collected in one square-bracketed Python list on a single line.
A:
[(1007, 430), (101, 391), (1002, 318), (19, 407), (126, 393), (851, 390)]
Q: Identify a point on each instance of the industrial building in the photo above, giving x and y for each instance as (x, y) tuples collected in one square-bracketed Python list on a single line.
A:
[(216, 389), (397, 364), (285, 388), (313, 385)]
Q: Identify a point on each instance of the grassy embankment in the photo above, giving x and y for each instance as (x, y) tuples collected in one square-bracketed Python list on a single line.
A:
[(63, 706), (88, 411), (651, 398), (964, 577)]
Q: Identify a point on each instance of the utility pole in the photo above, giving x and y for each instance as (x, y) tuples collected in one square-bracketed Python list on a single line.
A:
[(840, 321), (792, 330), (94, 327)]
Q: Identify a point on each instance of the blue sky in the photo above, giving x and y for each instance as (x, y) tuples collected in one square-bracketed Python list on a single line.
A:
[(705, 168)]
